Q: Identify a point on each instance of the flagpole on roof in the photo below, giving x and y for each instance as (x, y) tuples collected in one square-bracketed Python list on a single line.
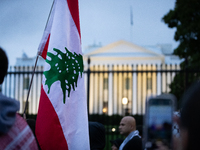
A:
[(131, 24), (29, 89)]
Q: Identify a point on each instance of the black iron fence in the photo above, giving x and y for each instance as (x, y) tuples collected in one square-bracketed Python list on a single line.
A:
[(112, 91), (124, 89), (109, 89)]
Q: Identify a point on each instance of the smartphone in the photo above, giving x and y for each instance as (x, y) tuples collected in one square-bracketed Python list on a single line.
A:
[(159, 121)]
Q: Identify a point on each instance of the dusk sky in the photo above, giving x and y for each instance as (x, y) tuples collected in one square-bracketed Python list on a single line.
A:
[(22, 23)]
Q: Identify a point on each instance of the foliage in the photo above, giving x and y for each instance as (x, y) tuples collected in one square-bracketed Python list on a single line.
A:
[(186, 19), (104, 119), (114, 119)]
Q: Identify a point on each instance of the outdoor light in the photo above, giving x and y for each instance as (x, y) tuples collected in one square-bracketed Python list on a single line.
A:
[(125, 100), (113, 129), (104, 110)]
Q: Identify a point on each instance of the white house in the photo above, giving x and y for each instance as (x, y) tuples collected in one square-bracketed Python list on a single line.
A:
[(108, 89), (123, 55)]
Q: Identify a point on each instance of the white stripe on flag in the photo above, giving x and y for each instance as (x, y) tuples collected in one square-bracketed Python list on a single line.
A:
[(73, 113)]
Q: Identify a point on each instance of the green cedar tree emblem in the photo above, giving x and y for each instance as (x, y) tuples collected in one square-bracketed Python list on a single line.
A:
[(65, 67)]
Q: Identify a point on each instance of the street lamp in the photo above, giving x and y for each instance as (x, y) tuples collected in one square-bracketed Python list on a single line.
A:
[(125, 102), (104, 110)]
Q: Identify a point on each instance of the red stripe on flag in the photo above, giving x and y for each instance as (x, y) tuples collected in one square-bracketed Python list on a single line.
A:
[(44, 52), (48, 129), (74, 10)]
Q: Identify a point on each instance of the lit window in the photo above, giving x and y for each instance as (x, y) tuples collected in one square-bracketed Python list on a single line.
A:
[(105, 107), (26, 83), (105, 83), (127, 83), (149, 83)]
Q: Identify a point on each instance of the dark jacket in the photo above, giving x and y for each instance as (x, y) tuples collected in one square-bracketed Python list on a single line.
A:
[(97, 136), (134, 144)]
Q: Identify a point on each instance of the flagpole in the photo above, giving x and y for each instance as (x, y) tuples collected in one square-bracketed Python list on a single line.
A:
[(29, 89), (26, 104), (49, 15)]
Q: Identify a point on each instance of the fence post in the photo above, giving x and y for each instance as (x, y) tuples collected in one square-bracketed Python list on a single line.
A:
[(88, 85)]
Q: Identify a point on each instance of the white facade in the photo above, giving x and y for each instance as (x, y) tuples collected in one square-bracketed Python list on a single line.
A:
[(108, 89), (124, 55)]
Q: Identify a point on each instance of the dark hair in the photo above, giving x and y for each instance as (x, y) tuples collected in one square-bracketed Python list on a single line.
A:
[(190, 115), (97, 136), (3, 65)]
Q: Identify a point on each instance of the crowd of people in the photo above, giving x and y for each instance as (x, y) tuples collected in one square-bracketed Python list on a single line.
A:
[(17, 133)]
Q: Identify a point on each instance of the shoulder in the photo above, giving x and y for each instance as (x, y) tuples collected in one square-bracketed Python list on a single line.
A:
[(136, 138), (19, 136), (8, 105), (135, 143), (7, 101), (8, 109)]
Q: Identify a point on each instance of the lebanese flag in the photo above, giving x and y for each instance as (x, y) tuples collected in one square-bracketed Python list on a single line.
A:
[(62, 121)]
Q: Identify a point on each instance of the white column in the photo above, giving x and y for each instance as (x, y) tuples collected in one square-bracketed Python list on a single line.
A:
[(115, 92), (91, 103), (134, 83), (110, 93), (158, 81), (100, 92)]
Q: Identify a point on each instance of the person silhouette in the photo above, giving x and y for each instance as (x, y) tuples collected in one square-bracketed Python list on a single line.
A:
[(14, 130), (189, 120)]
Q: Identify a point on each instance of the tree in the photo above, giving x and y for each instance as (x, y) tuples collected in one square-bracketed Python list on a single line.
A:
[(186, 19)]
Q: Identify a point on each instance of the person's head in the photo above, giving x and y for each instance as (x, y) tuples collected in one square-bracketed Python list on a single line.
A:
[(3, 65), (116, 143), (127, 125), (190, 118), (97, 136)]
